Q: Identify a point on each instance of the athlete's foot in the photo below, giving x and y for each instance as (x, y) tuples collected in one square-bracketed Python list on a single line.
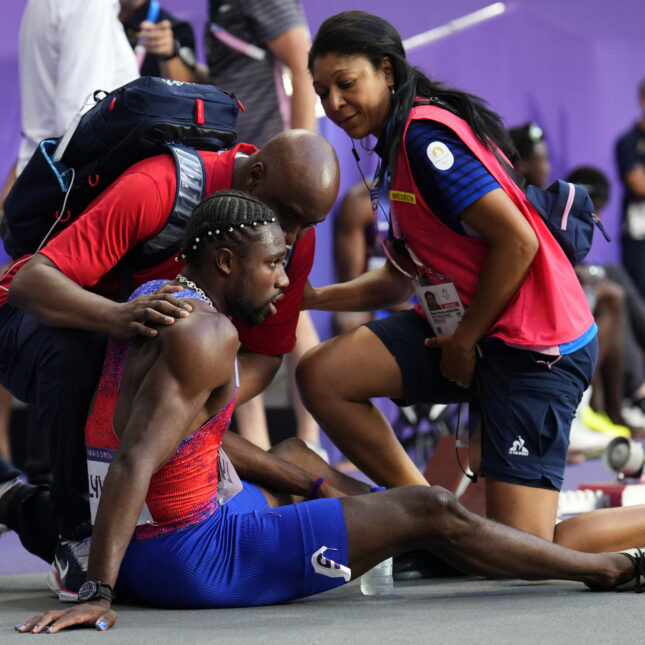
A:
[(630, 575), (636, 582)]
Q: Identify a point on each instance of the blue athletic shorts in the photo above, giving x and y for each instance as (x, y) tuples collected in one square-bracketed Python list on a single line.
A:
[(526, 400), (250, 498), (240, 559)]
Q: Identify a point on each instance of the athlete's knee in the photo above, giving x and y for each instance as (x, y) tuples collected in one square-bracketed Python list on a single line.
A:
[(312, 377), (441, 502), (291, 449), (440, 508)]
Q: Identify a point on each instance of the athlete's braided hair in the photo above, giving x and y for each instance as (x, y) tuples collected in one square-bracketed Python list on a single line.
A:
[(227, 218)]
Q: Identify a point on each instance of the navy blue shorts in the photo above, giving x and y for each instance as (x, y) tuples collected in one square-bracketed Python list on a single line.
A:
[(237, 559), (527, 400)]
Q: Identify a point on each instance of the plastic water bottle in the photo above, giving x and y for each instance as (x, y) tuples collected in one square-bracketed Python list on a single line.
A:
[(378, 581)]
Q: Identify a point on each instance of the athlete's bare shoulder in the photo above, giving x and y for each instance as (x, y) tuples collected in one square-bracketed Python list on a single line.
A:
[(202, 346)]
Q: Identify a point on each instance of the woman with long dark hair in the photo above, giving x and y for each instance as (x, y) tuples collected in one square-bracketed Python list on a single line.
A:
[(514, 334)]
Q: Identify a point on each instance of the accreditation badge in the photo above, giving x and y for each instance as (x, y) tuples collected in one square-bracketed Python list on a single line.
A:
[(441, 304)]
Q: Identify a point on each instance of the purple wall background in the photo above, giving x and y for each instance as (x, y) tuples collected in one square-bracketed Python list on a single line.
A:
[(570, 65)]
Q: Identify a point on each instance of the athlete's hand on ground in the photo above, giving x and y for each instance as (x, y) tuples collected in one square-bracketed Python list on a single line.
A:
[(457, 362), (96, 613), (142, 315)]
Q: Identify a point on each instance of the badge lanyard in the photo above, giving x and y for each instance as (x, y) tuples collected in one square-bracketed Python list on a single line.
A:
[(436, 293)]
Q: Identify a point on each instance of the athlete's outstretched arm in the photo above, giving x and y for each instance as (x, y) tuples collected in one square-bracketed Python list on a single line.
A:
[(377, 289), (193, 359), (289, 468)]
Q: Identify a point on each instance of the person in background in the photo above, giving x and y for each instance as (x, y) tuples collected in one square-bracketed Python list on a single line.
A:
[(598, 278), (164, 45), (630, 156), (355, 244), (67, 50), (601, 410), (359, 234), (250, 45), (532, 158)]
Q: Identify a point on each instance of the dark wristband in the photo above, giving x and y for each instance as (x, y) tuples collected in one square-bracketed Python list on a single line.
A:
[(95, 590), (175, 51), (316, 488)]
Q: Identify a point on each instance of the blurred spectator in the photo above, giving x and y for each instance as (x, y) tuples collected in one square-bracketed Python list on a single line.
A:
[(597, 278), (249, 46), (68, 49), (356, 247), (532, 159), (630, 155), (164, 45)]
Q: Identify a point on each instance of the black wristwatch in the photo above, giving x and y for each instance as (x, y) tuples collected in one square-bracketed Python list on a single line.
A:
[(186, 55), (94, 590)]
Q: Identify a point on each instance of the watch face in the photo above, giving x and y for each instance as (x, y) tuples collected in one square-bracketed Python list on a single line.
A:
[(187, 56), (87, 591)]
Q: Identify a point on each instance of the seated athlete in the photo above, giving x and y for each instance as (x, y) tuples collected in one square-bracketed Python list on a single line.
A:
[(65, 299), (293, 473), (164, 403)]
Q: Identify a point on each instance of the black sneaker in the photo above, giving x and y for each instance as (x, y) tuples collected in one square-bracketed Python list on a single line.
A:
[(69, 569), (636, 584)]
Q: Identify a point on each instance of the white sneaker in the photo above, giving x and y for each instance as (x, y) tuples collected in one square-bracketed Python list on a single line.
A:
[(634, 416), (587, 441), (574, 502)]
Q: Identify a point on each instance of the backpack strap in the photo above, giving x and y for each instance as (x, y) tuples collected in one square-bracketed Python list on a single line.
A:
[(191, 185), (511, 171)]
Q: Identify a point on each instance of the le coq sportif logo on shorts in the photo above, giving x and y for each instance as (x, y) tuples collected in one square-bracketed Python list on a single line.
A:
[(518, 448)]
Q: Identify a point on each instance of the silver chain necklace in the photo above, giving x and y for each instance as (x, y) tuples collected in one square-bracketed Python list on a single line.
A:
[(191, 285)]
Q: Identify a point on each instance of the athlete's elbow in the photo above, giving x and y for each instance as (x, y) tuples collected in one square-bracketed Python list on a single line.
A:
[(29, 283), (19, 288), (530, 247), (526, 246)]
